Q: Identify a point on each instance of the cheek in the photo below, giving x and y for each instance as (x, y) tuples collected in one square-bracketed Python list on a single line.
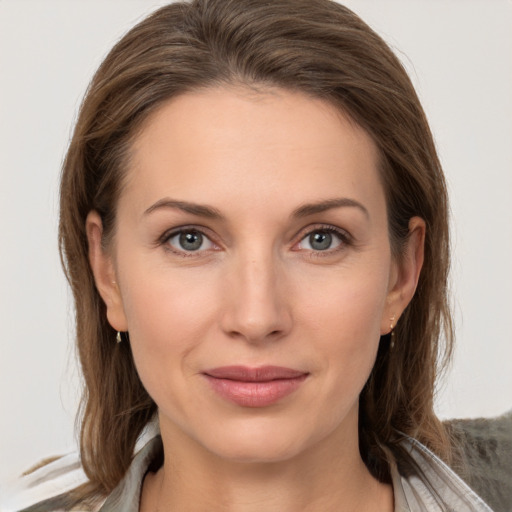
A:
[(351, 304), (347, 317), (168, 315), (158, 297), (165, 331)]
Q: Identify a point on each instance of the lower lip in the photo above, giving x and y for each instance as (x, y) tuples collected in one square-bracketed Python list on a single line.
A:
[(255, 394)]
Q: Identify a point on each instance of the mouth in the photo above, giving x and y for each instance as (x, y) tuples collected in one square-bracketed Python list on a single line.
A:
[(254, 387)]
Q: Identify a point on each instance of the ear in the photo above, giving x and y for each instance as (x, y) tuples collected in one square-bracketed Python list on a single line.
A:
[(103, 269), (404, 275)]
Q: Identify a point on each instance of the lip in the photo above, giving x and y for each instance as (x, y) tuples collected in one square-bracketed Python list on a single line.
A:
[(254, 387)]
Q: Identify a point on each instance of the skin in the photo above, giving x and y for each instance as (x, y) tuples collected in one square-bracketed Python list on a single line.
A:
[(258, 291)]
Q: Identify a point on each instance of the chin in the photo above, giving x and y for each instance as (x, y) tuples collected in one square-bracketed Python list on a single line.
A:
[(258, 442), (264, 451)]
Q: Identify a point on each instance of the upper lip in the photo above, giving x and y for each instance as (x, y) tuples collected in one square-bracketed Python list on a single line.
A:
[(259, 374)]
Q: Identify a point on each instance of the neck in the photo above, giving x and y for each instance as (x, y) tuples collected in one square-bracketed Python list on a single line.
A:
[(319, 479)]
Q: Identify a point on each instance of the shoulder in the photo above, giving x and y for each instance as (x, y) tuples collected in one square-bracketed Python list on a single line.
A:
[(421, 481), (50, 486), (61, 485), (485, 445)]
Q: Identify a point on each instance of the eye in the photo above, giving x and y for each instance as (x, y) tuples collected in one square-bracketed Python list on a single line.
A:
[(189, 240), (323, 239)]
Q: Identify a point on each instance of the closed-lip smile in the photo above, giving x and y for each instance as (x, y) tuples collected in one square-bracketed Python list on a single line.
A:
[(254, 387)]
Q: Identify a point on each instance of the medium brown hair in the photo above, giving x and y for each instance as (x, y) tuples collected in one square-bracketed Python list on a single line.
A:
[(316, 47)]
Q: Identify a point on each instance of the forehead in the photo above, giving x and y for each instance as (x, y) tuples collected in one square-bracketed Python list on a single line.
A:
[(265, 143)]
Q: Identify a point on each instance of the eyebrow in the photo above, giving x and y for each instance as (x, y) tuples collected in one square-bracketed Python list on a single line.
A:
[(212, 213), (322, 206), (193, 208)]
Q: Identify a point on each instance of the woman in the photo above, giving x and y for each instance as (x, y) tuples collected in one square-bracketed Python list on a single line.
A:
[(252, 207)]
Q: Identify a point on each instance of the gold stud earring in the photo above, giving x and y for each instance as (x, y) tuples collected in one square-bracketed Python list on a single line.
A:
[(118, 337)]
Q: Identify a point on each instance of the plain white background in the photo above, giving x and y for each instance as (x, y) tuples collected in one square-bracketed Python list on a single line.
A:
[(459, 54)]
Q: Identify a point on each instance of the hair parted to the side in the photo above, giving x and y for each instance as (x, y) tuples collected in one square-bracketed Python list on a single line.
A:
[(317, 47)]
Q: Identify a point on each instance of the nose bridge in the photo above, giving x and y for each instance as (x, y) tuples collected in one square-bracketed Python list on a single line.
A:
[(257, 307)]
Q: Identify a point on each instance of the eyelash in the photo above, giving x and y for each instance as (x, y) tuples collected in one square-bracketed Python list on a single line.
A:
[(344, 238), (169, 235)]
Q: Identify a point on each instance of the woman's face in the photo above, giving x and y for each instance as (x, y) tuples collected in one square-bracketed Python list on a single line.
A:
[(252, 234)]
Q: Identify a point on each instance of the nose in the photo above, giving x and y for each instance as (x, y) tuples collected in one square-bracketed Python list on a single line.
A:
[(256, 305)]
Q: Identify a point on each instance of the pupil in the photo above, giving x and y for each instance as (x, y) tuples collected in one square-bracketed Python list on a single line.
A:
[(320, 240), (191, 241)]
